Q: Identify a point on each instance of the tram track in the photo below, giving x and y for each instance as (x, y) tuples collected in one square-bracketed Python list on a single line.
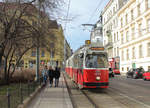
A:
[(79, 98), (90, 99), (101, 98)]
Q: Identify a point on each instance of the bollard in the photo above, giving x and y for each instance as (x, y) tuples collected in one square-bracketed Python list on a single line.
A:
[(8, 98)]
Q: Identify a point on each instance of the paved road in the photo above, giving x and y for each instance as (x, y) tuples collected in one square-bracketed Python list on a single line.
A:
[(136, 89), (122, 93)]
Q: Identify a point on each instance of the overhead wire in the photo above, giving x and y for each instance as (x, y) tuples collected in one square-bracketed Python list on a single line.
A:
[(101, 1), (67, 15)]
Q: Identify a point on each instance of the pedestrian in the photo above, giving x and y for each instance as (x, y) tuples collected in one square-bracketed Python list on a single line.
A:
[(51, 76), (57, 75), (44, 74)]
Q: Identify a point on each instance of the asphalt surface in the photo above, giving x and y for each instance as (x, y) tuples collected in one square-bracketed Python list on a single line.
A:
[(122, 93), (137, 90)]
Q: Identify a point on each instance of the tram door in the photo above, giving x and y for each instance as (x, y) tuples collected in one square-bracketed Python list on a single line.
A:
[(75, 73), (80, 69)]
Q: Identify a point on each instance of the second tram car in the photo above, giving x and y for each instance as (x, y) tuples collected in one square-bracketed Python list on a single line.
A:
[(88, 67), (114, 64)]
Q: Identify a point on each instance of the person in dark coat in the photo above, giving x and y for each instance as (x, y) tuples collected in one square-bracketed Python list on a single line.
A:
[(44, 74), (51, 76), (57, 75)]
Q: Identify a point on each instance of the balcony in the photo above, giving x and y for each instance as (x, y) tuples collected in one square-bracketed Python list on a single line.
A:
[(109, 45)]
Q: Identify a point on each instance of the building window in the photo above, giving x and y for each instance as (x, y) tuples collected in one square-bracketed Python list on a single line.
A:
[(121, 22), (148, 25), (126, 18), (140, 29), (127, 36), (117, 36), (122, 69), (113, 10), (42, 54), (148, 3), (149, 68), (117, 51), (127, 54), (122, 55), (34, 23), (114, 37), (114, 51), (148, 49), (33, 53), (127, 68), (133, 53), (139, 9), (52, 54), (132, 14), (121, 38), (140, 51), (114, 23), (133, 33)]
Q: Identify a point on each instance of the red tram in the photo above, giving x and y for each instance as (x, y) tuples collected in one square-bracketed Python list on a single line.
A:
[(88, 67)]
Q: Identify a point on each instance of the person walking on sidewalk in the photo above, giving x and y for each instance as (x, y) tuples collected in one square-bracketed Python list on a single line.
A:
[(44, 74), (57, 75), (51, 76)]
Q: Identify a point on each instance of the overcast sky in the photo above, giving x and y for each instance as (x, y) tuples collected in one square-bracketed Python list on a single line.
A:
[(84, 11)]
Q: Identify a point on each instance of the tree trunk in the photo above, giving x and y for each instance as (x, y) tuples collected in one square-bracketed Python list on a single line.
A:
[(5, 71), (1, 55)]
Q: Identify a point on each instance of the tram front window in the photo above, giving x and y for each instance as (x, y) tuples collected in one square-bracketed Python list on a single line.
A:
[(96, 61)]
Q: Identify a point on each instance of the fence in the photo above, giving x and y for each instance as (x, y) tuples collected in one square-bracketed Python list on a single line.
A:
[(11, 98)]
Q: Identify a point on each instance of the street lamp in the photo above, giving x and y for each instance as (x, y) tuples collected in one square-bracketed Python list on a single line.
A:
[(37, 48)]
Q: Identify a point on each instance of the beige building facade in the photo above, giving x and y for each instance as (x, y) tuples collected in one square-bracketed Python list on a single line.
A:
[(110, 25), (134, 35)]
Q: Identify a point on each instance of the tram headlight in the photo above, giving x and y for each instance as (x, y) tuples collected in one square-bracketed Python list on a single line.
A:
[(98, 78)]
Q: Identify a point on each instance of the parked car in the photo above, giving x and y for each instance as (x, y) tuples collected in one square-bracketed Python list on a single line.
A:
[(135, 73), (146, 75), (111, 73)]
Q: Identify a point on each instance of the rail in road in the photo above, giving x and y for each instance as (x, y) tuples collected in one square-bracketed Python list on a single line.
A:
[(101, 98), (78, 97)]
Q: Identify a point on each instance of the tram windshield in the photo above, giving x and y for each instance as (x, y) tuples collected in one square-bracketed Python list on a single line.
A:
[(96, 61)]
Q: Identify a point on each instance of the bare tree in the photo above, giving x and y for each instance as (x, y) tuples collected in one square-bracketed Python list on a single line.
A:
[(17, 34)]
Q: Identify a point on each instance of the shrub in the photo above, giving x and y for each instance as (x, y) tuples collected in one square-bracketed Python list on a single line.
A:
[(23, 75)]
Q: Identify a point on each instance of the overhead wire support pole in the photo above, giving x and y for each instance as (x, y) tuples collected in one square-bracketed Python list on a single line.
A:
[(65, 30)]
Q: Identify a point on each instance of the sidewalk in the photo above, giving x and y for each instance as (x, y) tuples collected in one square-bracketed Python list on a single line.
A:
[(52, 97)]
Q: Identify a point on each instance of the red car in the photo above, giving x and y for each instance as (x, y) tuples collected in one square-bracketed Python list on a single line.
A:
[(146, 75)]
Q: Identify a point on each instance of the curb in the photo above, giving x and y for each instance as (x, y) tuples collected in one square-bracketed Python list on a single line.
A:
[(30, 98)]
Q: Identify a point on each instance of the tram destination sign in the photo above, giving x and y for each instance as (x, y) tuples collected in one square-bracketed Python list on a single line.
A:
[(97, 48)]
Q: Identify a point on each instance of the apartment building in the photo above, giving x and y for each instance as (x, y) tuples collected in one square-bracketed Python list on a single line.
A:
[(134, 35), (52, 55), (110, 25)]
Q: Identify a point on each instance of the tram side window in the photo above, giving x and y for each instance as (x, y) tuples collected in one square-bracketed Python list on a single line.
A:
[(80, 62), (69, 63), (75, 61), (96, 61)]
